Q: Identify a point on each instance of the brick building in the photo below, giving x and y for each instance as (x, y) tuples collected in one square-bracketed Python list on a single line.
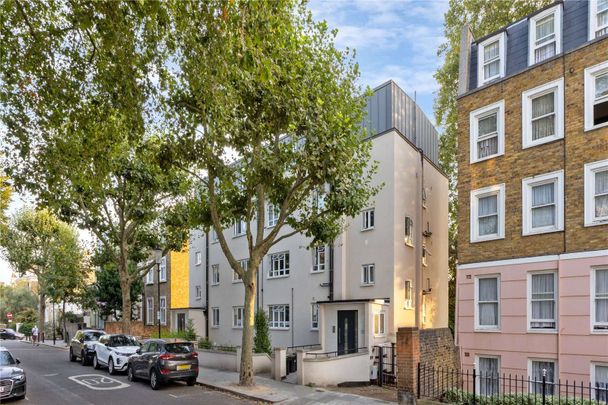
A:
[(532, 284)]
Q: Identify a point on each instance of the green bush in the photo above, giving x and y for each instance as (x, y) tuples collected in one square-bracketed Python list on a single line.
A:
[(190, 332), (26, 329), (456, 396), (261, 341), (204, 343)]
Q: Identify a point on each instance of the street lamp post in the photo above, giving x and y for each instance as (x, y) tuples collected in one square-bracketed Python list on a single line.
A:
[(54, 324), (158, 254)]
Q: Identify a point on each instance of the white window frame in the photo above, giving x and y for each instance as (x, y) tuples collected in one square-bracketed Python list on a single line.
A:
[(499, 191), (215, 317), (368, 219), (408, 238), (162, 309), (272, 215), (408, 294), (240, 228), (590, 75), (474, 118), (555, 300), (368, 270), (162, 275), (592, 300), (590, 170), (150, 311), (281, 271), (150, 276), (276, 310), (215, 274), (593, 378), (479, 372), (556, 87), (502, 40), (487, 328), (380, 324), (593, 27), (214, 237), (317, 266), (557, 24), (245, 265), (198, 292), (198, 258), (314, 316), (425, 255), (238, 314), (527, 184), (555, 381)]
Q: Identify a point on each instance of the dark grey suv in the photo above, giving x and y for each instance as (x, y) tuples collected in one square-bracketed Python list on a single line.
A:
[(12, 377), (163, 360), (83, 344)]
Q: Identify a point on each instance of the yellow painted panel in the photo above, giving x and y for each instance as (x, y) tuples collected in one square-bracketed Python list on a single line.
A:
[(180, 279)]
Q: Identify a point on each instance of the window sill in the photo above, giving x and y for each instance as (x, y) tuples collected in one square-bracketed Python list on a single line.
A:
[(367, 229), (380, 335), (278, 328), (314, 329), (317, 271), (487, 239), (596, 223), (275, 277), (409, 244), (213, 242), (543, 141), (237, 281), (541, 231), (543, 331), (152, 283), (198, 298), (216, 284), (270, 226), (368, 285), (238, 236), (197, 264), (490, 80), (162, 281), (408, 307), (237, 327), (488, 330), (594, 127), (215, 326), (599, 331), (483, 159)]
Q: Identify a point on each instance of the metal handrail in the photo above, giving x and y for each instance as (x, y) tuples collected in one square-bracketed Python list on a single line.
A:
[(336, 353)]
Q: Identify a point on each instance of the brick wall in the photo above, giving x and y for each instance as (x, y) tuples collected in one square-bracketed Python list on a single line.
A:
[(570, 154)]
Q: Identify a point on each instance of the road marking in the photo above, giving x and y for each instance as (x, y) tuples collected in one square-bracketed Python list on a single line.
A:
[(50, 375), (98, 382)]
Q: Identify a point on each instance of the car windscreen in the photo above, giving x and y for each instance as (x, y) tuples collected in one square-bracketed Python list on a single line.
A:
[(179, 348), (92, 336), (121, 340), (6, 359)]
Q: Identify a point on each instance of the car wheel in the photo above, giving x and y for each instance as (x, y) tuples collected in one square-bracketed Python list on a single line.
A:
[(191, 381), (96, 364), (131, 374), (20, 397), (83, 358), (154, 379), (72, 357), (111, 369)]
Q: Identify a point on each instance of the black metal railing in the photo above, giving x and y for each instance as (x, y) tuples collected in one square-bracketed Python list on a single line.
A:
[(475, 387), (317, 355), (385, 360), (293, 349)]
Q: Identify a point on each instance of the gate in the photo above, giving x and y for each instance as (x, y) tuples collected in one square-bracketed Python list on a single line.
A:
[(385, 361), (291, 360)]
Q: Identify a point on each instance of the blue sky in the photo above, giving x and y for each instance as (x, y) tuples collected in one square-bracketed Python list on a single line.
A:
[(394, 39)]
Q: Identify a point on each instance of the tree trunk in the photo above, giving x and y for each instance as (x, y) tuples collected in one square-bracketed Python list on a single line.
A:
[(41, 316), (246, 374), (125, 287)]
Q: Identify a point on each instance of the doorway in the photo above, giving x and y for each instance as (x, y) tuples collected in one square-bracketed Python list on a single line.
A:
[(347, 332), (181, 322)]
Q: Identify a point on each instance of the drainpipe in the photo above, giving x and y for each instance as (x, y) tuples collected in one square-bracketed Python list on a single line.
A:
[(207, 285), (291, 321), (331, 272), (418, 242)]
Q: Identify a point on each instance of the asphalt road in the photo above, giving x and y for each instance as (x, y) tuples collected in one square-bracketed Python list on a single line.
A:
[(53, 380)]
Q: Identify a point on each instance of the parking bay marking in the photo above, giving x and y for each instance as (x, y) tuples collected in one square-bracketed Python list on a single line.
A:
[(98, 382)]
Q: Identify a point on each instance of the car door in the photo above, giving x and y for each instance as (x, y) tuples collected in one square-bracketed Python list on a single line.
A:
[(76, 343), (151, 356), (139, 360), (101, 350)]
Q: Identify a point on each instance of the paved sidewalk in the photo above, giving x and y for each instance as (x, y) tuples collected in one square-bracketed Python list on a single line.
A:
[(59, 343), (271, 391)]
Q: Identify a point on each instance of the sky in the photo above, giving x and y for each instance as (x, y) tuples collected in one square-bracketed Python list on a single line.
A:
[(393, 39)]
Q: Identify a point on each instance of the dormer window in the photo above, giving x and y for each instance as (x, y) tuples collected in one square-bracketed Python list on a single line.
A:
[(598, 18), (491, 59), (545, 35)]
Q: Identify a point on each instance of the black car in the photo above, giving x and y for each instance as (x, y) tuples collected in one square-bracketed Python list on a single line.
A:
[(12, 377), (83, 344), (163, 360)]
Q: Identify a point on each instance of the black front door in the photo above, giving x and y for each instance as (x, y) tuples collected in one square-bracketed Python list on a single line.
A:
[(347, 332), (181, 322)]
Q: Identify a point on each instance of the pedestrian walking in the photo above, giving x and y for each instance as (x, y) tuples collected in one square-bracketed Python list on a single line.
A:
[(35, 336)]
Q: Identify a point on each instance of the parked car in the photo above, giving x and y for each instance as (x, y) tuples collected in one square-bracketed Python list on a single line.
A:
[(10, 334), (12, 377), (163, 360), (113, 351), (82, 345)]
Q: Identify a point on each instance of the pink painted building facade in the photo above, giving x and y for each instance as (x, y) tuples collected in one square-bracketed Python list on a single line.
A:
[(532, 275)]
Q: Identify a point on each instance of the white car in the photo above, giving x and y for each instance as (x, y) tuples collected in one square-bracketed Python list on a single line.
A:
[(113, 352)]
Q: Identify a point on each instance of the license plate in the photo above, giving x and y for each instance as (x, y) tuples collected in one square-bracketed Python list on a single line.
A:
[(183, 367)]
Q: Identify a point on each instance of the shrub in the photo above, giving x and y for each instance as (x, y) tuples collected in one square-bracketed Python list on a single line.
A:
[(26, 329), (261, 341), (456, 396), (190, 332), (204, 343)]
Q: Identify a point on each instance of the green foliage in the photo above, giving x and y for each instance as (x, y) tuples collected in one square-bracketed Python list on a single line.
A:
[(69, 316), (456, 396), (483, 17), (16, 299), (188, 334), (28, 315), (261, 341), (204, 343), (5, 197), (26, 329)]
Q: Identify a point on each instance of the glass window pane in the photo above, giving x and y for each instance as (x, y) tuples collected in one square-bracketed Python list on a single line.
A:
[(487, 147), (545, 29), (491, 51), (601, 85), (543, 127), (543, 194), (601, 182), (488, 289), (488, 124), (488, 205), (543, 105), (544, 216)]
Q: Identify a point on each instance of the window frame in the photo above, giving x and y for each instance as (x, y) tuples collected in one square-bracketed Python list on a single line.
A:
[(593, 374), (370, 280), (198, 292), (214, 236), (381, 317), (408, 237), (239, 228), (590, 170), (368, 215), (198, 258), (408, 294), (593, 298), (590, 74), (150, 307), (272, 220), (556, 87), (532, 381), (314, 309), (499, 191), (318, 267), (502, 39), (557, 26), (162, 310), (150, 276), (235, 277), (479, 372), (238, 314), (593, 27), (529, 302), (273, 324), (280, 273), (474, 117), (215, 320), (527, 184), (215, 270), (487, 328), (162, 275)]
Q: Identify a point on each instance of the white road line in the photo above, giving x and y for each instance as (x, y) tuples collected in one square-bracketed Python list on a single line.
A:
[(96, 382), (50, 375)]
